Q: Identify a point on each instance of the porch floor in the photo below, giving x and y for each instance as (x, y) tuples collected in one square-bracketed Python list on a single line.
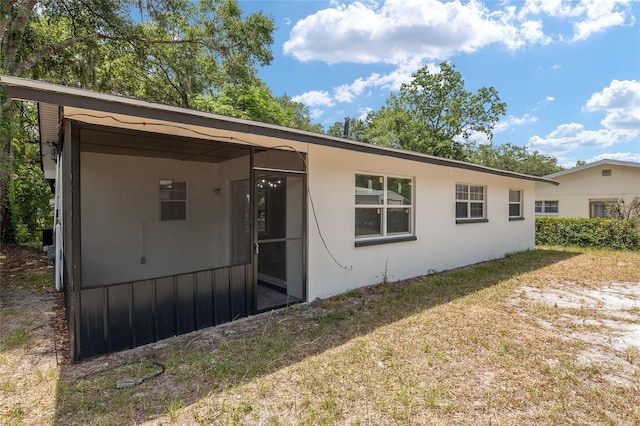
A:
[(269, 298)]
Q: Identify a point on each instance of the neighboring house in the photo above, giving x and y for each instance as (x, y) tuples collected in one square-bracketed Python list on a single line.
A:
[(171, 220), (584, 191)]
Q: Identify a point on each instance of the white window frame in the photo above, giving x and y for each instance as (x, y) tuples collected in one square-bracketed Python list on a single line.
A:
[(545, 205), (384, 206), (519, 203), (162, 200), (465, 188)]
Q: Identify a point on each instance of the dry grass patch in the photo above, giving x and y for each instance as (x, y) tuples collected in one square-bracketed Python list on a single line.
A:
[(29, 362), (527, 339)]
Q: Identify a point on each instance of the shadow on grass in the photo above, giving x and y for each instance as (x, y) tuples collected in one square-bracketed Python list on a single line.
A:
[(214, 360)]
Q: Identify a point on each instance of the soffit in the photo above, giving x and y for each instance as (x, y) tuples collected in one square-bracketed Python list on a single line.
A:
[(49, 119), (118, 141)]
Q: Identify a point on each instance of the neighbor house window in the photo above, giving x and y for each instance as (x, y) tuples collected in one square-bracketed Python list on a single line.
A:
[(547, 207), (383, 206), (470, 202), (515, 203), (173, 200), (598, 208), (606, 172)]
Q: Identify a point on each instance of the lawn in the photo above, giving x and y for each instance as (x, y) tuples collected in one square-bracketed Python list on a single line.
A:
[(550, 336)]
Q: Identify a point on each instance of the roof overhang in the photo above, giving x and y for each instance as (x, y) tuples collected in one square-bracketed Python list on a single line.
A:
[(49, 117), (91, 107)]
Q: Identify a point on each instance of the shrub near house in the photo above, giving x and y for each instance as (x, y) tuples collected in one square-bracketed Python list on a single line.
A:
[(618, 234)]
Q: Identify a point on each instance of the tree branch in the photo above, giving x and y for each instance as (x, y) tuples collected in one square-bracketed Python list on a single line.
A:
[(52, 48), (4, 17), (14, 27)]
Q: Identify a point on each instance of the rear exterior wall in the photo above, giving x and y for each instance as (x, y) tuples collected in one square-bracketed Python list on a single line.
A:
[(440, 243)]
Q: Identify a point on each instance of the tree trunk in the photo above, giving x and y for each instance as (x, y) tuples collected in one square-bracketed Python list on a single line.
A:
[(7, 109)]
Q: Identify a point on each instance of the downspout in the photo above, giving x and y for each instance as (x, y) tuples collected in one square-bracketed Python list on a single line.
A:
[(59, 269), (59, 208)]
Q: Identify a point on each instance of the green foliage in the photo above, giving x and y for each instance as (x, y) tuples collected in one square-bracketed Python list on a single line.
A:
[(434, 109), (29, 198), (357, 129), (513, 158), (432, 114), (172, 52), (29, 192), (296, 115), (256, 102), (618, 234)]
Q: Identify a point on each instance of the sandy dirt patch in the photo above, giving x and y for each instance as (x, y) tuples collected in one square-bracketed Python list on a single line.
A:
[(605, 318)]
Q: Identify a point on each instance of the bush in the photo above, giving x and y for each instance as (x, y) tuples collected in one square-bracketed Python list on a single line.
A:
[(29, 198), (618, 234)]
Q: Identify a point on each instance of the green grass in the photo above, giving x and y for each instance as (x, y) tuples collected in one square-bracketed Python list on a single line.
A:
[(18, 338), (43, 279)]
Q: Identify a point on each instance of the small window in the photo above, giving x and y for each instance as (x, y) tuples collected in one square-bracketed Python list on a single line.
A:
[(384, 206), (547, 207), (606, 172), (470, 202), (173, 200), (515, 203)]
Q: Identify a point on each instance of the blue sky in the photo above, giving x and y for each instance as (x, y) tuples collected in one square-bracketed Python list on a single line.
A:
[(569, 71)]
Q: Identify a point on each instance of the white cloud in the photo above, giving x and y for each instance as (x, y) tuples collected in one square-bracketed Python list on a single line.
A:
[(619, 94), (586, 16), (347, 92), (394, 31), (600, 15), (512, 121), (531, 32), (620, 156), (364, 112), (543, 103), (568, 137), (554, 8), (391, 81), (315, 113), (315, 98), (621, 102), (398, 30)]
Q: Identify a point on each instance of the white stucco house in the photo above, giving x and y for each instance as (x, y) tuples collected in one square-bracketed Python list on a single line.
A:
[(585, 190), (171, 220)]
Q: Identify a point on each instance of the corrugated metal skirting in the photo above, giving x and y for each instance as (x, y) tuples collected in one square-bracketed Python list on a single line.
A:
[(123, 316)]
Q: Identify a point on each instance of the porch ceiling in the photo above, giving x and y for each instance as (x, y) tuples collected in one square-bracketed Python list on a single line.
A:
[(117, 141)]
